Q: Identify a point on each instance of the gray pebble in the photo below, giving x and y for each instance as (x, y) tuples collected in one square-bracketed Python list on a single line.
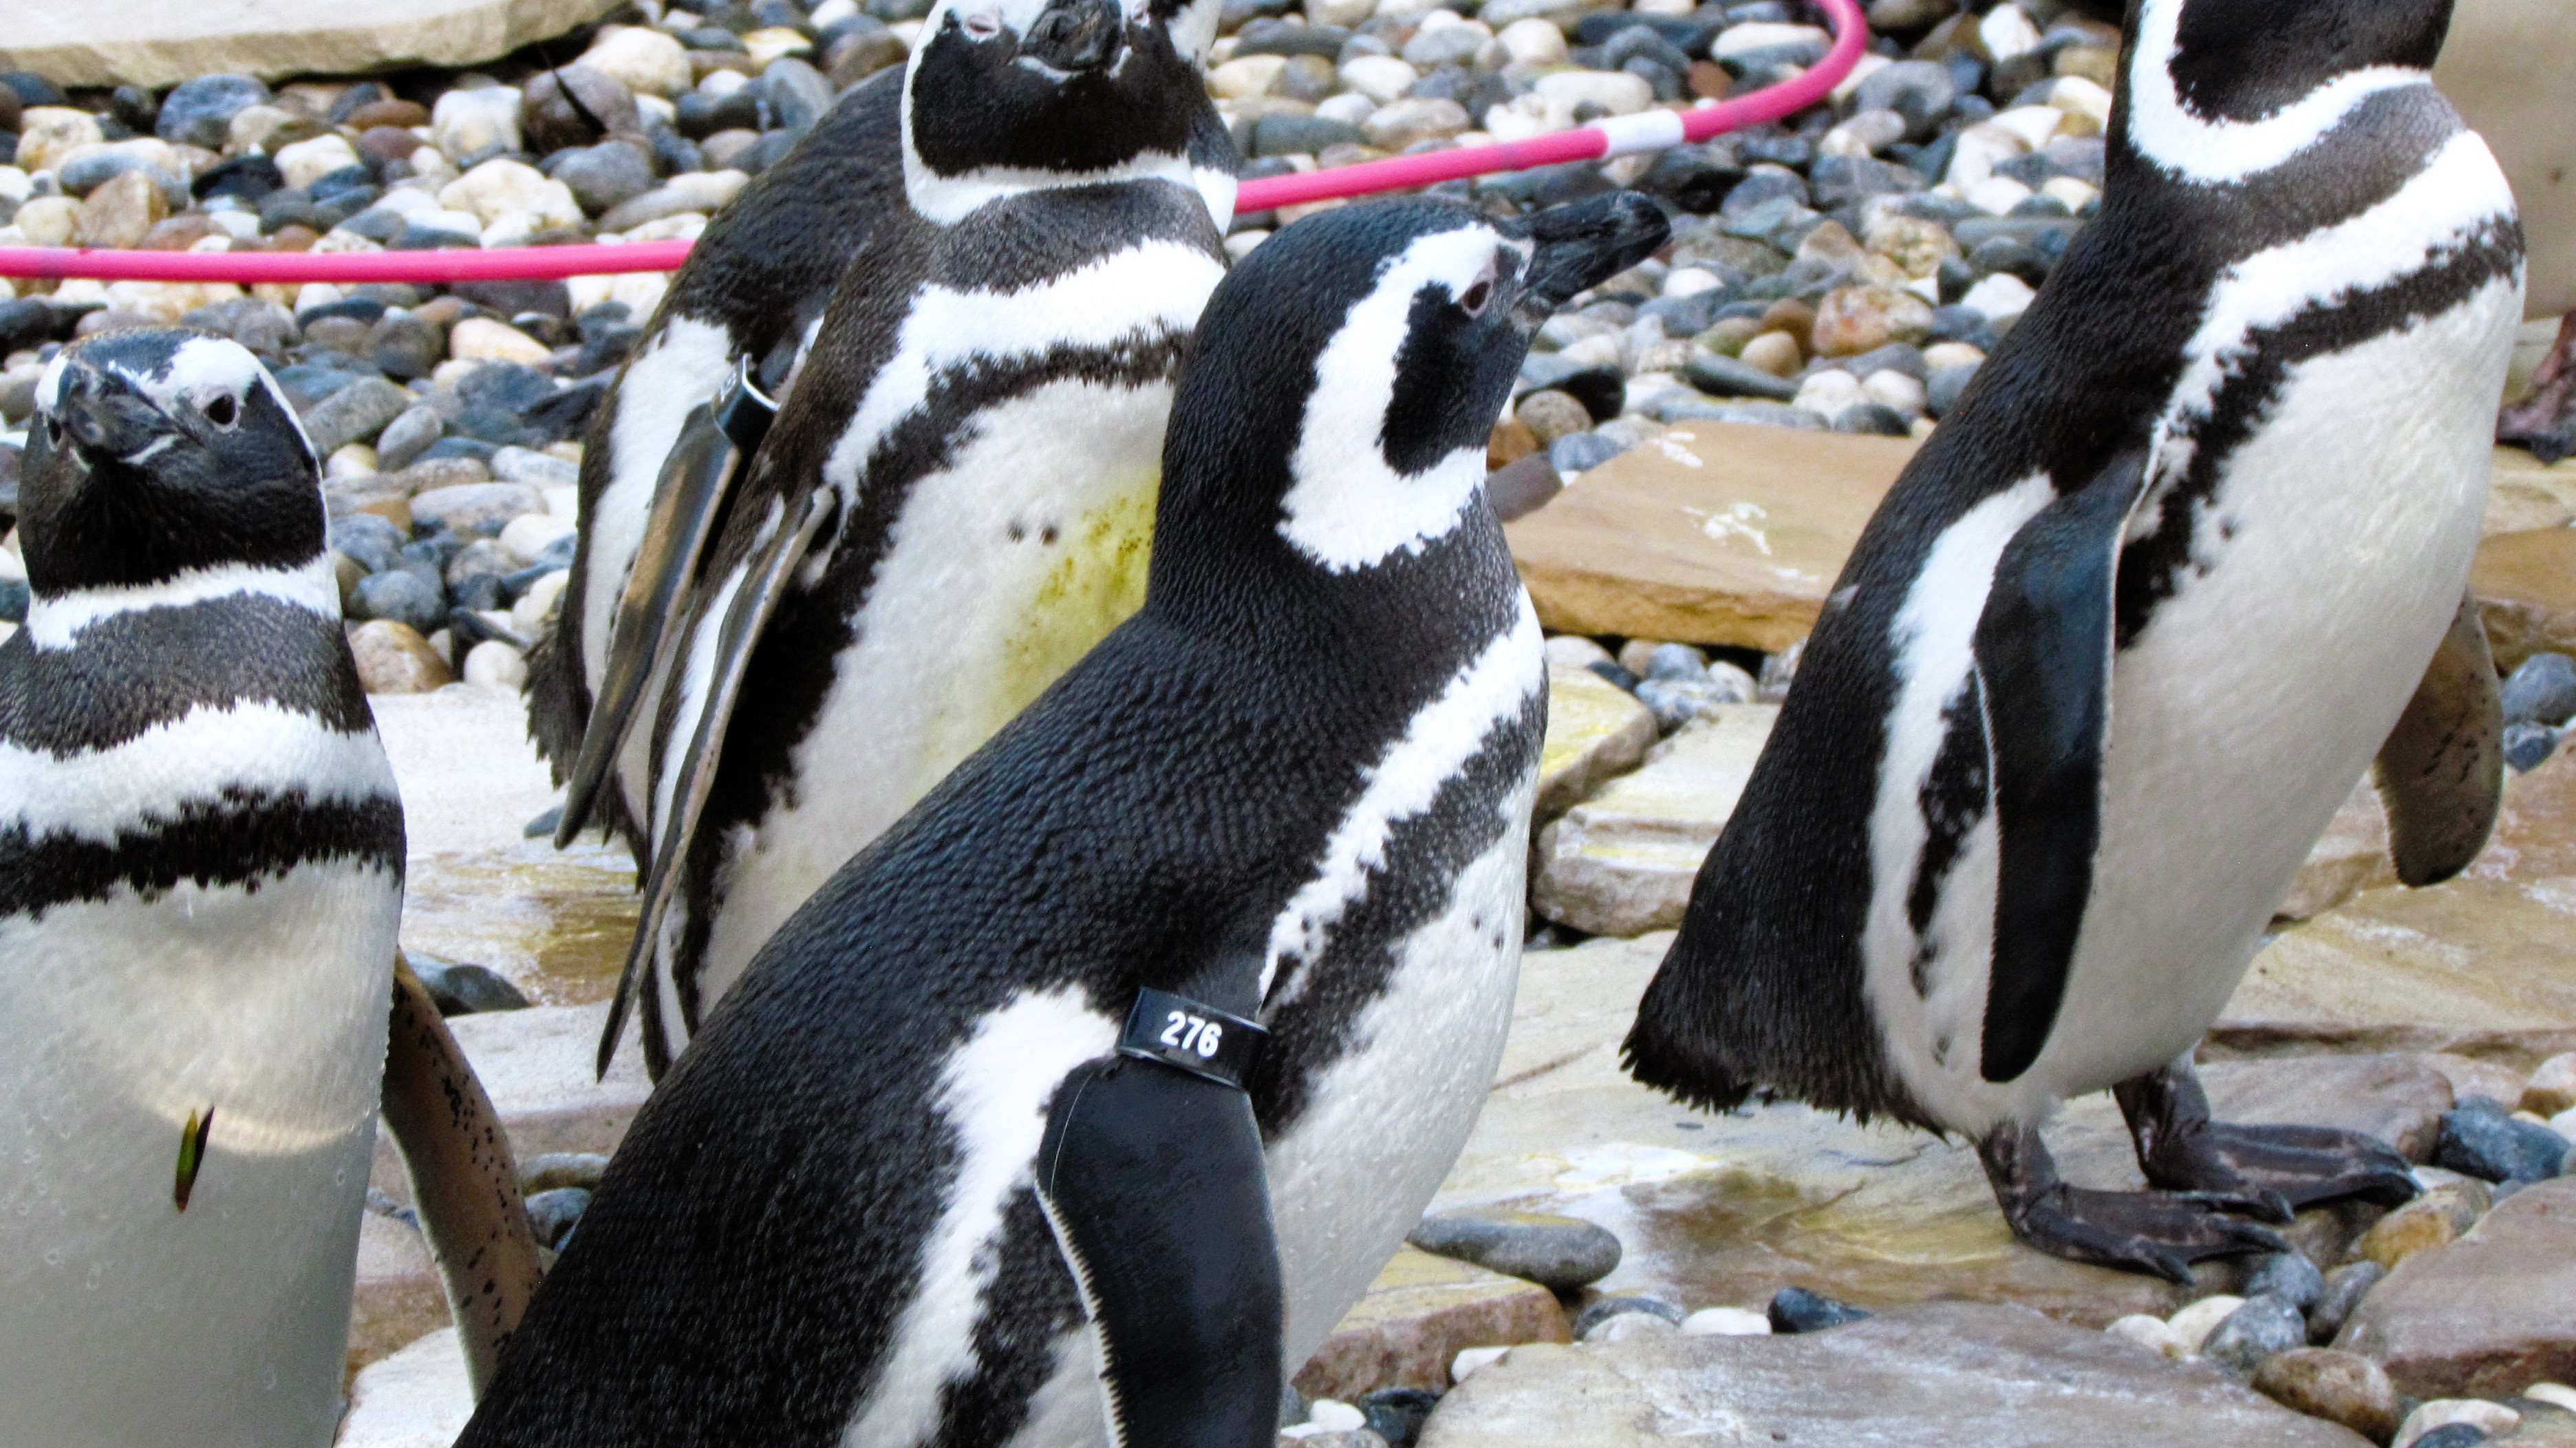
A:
[(1676, 661), (533, 468), (603, 176), (1582, 452), (1722, 376), (1397, 1414), (354, 413), (462, 988), (1795, 1309), (2453, 1435), (2480, 1139), (1921, 91), (2528, 746), (2345, 1287), (407, 436), (402, 595), (1562, 1253), (2289, 1276), (2541, 690), (200, 112), (2263, 1326), (375, 543), (1603, 1309)]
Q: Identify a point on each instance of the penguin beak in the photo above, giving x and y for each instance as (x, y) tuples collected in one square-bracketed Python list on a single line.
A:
[(103, 417), (1076, 35), (1582, 244)]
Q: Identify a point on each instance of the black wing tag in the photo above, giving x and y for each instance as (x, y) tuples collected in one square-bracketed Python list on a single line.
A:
[(1192, 1036), (2043, 652)]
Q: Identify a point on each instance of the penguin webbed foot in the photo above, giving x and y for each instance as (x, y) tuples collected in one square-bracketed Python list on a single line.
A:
[(2156, 1232), (2545, 420), (2285, 1166)]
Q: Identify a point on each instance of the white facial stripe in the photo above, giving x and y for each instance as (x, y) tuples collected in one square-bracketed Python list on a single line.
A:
[(993, 1098), (1346, 508), (2166, 132), (2458, 192), (54, 621), (1158, 286), (249, 745), (49, 388), (1933, 642), (1495, 685)]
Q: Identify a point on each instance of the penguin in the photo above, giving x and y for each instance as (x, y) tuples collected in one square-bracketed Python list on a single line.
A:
[(2124, 634), (975, 284), (201, 864), (1084, 1101)]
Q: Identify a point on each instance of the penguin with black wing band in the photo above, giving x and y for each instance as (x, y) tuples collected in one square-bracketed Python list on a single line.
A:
[(2123, 636), (1079, 1107), (953, 503), (201, 868)]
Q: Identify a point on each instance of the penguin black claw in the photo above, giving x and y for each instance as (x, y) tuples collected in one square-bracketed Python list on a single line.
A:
[(2158, 1233)]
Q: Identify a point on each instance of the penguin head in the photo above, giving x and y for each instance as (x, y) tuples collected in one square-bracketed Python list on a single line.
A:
[(157, 451), (2246, 61), (1005, 95), (1349, 370)]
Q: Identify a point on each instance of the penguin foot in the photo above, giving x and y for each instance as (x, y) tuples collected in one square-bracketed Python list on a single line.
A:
[(2157, 1233), (2281, 1167), (2545, 420)]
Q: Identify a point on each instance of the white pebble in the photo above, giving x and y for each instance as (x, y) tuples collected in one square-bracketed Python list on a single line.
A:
[(2007, 31), (495, 665), (1240, 244), (2557, 1395), (1470, 1361), (2036, 125), (1951, 354), (1829, 392), (535, 610), (1533, 41), (2151, 1333), (1690, 281), (1999, 296), (1381, 78), (1891, 388), (2193, 1325), (527, 536), (2495, 1418), (2076, 194), (1619, 1327), (1350, 107), (1996, 195), (1335, 1417), (1574, 651), (1726, 1322), (2564, 1123)]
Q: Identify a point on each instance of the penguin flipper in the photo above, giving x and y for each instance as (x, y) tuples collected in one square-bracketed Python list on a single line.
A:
[(2043, 658), (462, 1176), (1154, 1181), (765, 575), (2441, 772), (715, 441)]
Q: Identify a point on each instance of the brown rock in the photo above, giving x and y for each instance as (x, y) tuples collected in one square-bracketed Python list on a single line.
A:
[(1510, 441), (1854, 320), (372, 494), (2487, 1315), (1709, 80), (389, 143), (2339, 1387), (120, 213), (1777, 353), (1789, 315), (2438, 1218), (575, 105), (1418, 1315), (1951, 1372), (178, 233), (2525, 584), (1724, 534), (399, 114), (2470, 1076), (394, 659), (1622, 861), (1550, 414), (2552, 1087), (399, 1299)]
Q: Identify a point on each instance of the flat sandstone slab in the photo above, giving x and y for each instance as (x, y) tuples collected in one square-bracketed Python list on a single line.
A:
[(1725, 1210), (1949, 1373), (1714, 533), (2486, 1316), (157, 43)]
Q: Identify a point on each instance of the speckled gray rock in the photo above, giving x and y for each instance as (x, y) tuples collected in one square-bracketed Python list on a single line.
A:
[(355, 413), (2263, 1326), (1563, 1253), (200, 112), (2542, 690)]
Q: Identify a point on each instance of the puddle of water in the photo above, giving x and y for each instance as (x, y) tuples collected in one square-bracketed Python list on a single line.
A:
[(556, 923)]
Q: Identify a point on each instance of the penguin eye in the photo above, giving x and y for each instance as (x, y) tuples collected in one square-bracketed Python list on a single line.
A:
[(1477, 295), (983, 25), (222, 409), (53, 432)]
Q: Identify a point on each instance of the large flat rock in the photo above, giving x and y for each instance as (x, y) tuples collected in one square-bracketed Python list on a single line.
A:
[(555, 922), (1716, 533), (417, 1398), (1417, 1316), (157, 43), (399, 1299), (1946, 1373), (2482, 965), (1726, 1210), (2525, 585), (1622, 862), (1595, 730), (2486, 1316)]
